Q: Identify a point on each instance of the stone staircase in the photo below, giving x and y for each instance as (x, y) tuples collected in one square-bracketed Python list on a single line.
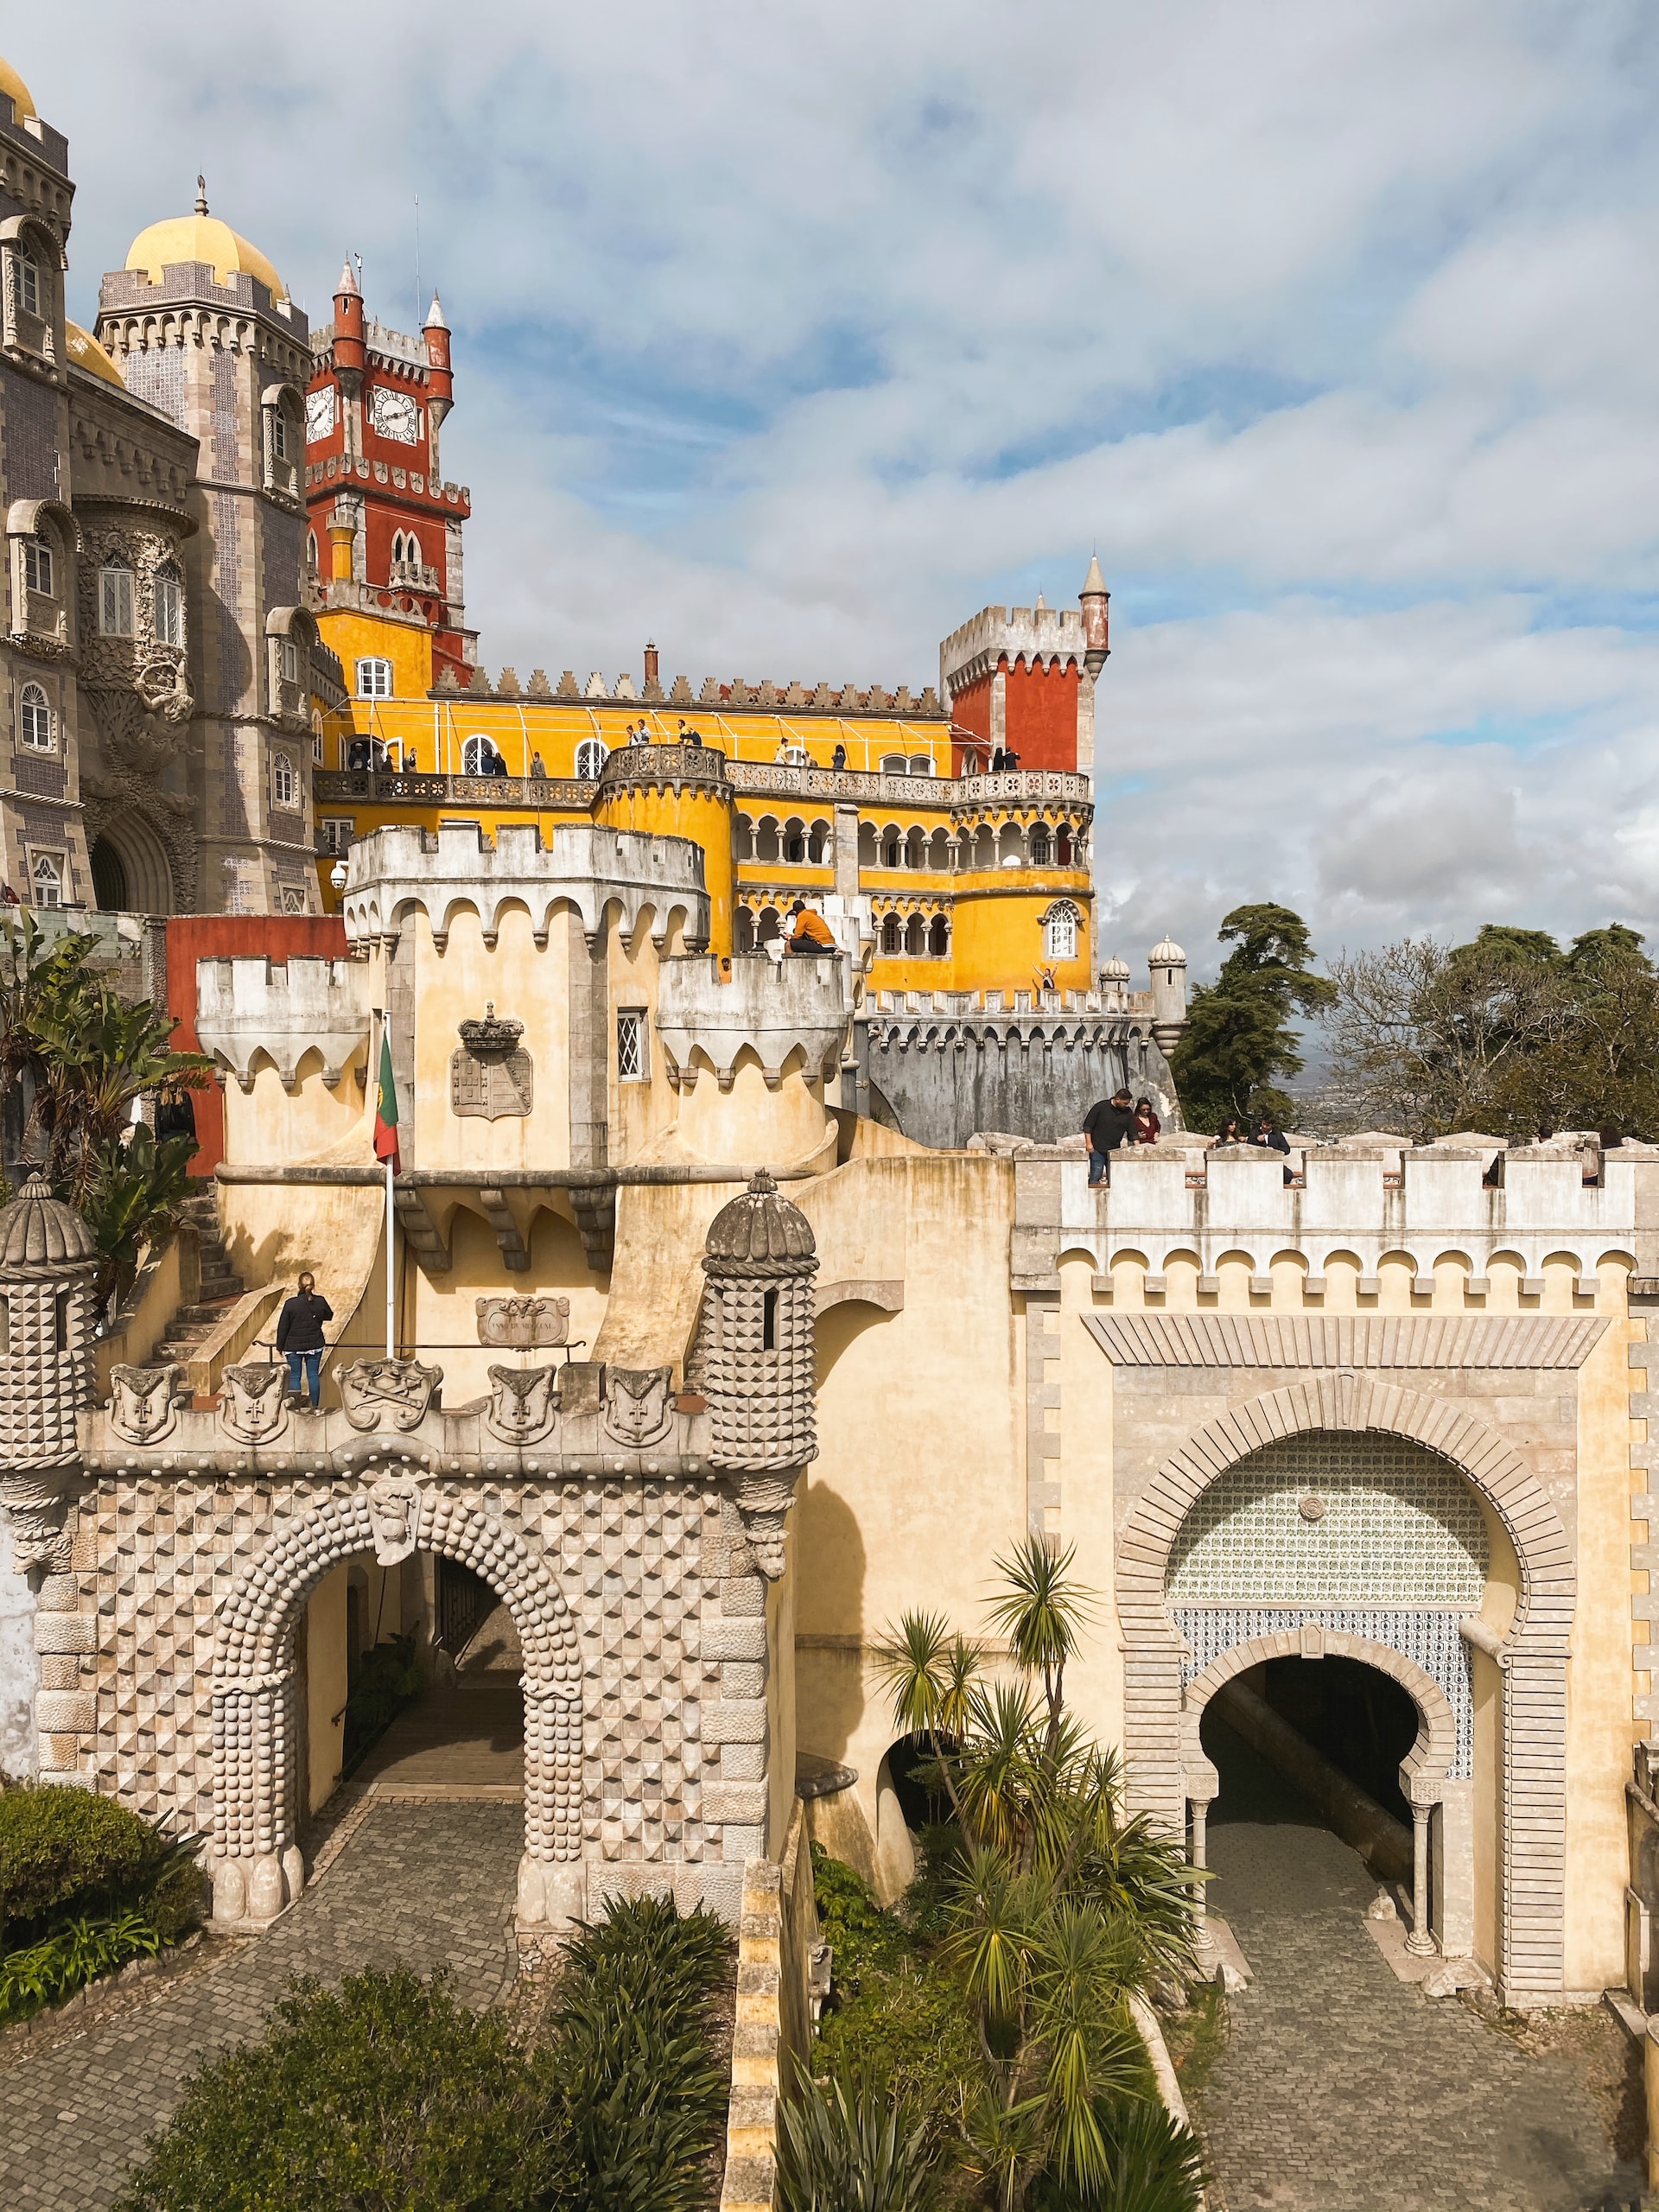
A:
[(220, 1285)]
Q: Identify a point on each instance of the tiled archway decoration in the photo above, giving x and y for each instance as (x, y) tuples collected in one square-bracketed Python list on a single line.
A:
[(257, 1867), (1532, 1818)]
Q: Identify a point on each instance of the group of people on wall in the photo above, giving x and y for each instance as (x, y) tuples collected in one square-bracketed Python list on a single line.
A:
[(1115, 1123)]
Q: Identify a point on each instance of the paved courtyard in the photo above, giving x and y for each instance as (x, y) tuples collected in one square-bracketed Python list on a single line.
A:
[(1341, 2089), (432, 1884)]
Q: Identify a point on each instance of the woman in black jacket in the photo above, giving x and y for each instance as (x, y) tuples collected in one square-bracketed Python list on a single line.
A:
[(300, 1338)]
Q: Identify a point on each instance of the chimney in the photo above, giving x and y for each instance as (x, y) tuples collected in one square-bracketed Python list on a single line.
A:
[(653, 679), (441, 384)]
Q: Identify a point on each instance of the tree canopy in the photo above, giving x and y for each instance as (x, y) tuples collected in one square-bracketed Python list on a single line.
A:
[(1240, 1039), (1506, 1033)]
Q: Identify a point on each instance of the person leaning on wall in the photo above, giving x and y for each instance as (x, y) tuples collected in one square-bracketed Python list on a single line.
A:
[(810, 934), (1110, 1123)]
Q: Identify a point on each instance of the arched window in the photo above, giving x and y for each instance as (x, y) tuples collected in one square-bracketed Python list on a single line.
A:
[(892, 935), (26, 277), (115, 617), (1042, 852), (37, 566), (45, 877), (743, 924), (405, 549), (1061, 931), (916, 936), (317, 738), (34, 718), (311, 550), (893, 852), (285, 780), (591, 756), (374, 679), (477, 757), (938, 937), (169, 606)]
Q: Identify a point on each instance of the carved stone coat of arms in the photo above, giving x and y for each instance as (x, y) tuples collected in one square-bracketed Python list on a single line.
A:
[(637, 1409), (370, 1388), (491, 1075), (524, 1403)]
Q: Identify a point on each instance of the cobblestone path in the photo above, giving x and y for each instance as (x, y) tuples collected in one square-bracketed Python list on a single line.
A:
[(432, 1884), (1343, 2089)]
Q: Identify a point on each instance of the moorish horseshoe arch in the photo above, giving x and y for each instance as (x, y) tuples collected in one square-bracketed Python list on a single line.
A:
[(1532, 1659), (256, 1862)]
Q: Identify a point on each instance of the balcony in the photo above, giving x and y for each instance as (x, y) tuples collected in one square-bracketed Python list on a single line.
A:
[(387, 787), (785, 780), (414, 575)]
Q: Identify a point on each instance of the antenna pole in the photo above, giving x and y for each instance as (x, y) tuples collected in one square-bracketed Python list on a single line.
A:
[(417, 261)]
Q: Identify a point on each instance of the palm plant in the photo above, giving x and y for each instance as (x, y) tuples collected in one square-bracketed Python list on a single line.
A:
[(1059, 1903), (843, 2150)]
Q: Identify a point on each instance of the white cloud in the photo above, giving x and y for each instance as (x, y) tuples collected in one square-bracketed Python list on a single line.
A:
[(793, 336)]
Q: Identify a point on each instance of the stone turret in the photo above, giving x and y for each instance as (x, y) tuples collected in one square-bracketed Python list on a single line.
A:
[(756, 1358), (47, 1266), (1167, 963)]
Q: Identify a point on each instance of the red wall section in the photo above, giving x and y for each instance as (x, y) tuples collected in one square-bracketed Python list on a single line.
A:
[(1042, 716), (971, 710), (191, 937)]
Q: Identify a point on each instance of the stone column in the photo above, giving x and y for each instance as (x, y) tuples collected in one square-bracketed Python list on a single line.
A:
[(1202, 1942), (1420, 1941)]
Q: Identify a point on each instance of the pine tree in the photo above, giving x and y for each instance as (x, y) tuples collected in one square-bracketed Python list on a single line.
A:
[(1238, 1036)]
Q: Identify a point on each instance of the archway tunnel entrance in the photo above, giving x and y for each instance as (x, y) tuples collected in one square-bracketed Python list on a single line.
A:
[(411, 1679), (1361, 1721)]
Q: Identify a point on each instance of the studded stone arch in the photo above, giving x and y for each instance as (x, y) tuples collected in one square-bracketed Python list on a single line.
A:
[(1532, 1660), (255, 1861)]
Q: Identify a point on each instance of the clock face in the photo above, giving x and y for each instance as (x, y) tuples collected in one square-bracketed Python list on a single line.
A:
[(395, 415), (320, 414)]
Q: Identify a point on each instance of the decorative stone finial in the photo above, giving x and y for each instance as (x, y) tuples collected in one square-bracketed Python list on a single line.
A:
[(201, 195)]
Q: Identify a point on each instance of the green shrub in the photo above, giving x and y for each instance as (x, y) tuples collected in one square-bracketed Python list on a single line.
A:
[(852, 2152), (386, 2097), (644, 2094), (62, 1847), (391, 2096)]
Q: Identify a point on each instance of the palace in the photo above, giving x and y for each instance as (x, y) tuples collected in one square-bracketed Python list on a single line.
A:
[(692, 1330)]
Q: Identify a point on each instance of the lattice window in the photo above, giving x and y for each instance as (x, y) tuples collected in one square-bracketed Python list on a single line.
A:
[(1325, 1520), (631, 1046)]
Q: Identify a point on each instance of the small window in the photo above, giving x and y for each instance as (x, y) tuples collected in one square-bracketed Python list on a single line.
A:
[(374, 679), (34, 718), (769, 1321), (288, 660), (311, 550), (46, 876), (591, 756), (285, 780), (337, 830), (115, 600), (60, 1320), (893, 854), (169, 607), (1060, 932), (1041, 851), (37, 566), (795, 850), (479, 757), (631, 1046), (892, 936), (279, 434), (28, 284)]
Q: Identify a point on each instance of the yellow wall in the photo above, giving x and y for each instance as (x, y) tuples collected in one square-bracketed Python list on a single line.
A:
[(407, 645), (693, 812)]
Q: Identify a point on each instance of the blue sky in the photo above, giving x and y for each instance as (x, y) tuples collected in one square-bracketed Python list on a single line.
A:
[(792, 336)]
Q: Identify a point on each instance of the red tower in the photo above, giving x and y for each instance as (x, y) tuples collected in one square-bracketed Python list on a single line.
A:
[(1021, 680), (384, 539)]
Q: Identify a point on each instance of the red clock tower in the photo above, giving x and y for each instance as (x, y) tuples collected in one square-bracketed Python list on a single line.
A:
[(384, 540)]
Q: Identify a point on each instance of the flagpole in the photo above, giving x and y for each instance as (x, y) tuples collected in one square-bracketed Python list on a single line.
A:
[(391, 1279)]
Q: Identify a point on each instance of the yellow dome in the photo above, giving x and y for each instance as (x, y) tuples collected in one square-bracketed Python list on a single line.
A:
[(86, 353), (22, 100), (201, 237)]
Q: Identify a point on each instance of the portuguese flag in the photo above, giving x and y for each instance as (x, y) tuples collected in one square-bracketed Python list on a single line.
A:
[(385, 1108)]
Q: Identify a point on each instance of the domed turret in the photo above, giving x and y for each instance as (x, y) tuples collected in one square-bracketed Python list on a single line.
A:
[(24, 109), (86, 353), (46, 1363), (1169, 965), (201, 237), (755, 1355)]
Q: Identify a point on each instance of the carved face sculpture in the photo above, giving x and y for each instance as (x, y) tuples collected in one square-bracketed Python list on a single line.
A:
[(523, 1403), (637, 1407), (141, 1403), (369, 1387), (394, 1516), (252, 1407)]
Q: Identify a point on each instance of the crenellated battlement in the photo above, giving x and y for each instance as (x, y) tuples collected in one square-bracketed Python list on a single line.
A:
[(718, 1010), (247, 1009), (1026, 636), (401, 870)]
